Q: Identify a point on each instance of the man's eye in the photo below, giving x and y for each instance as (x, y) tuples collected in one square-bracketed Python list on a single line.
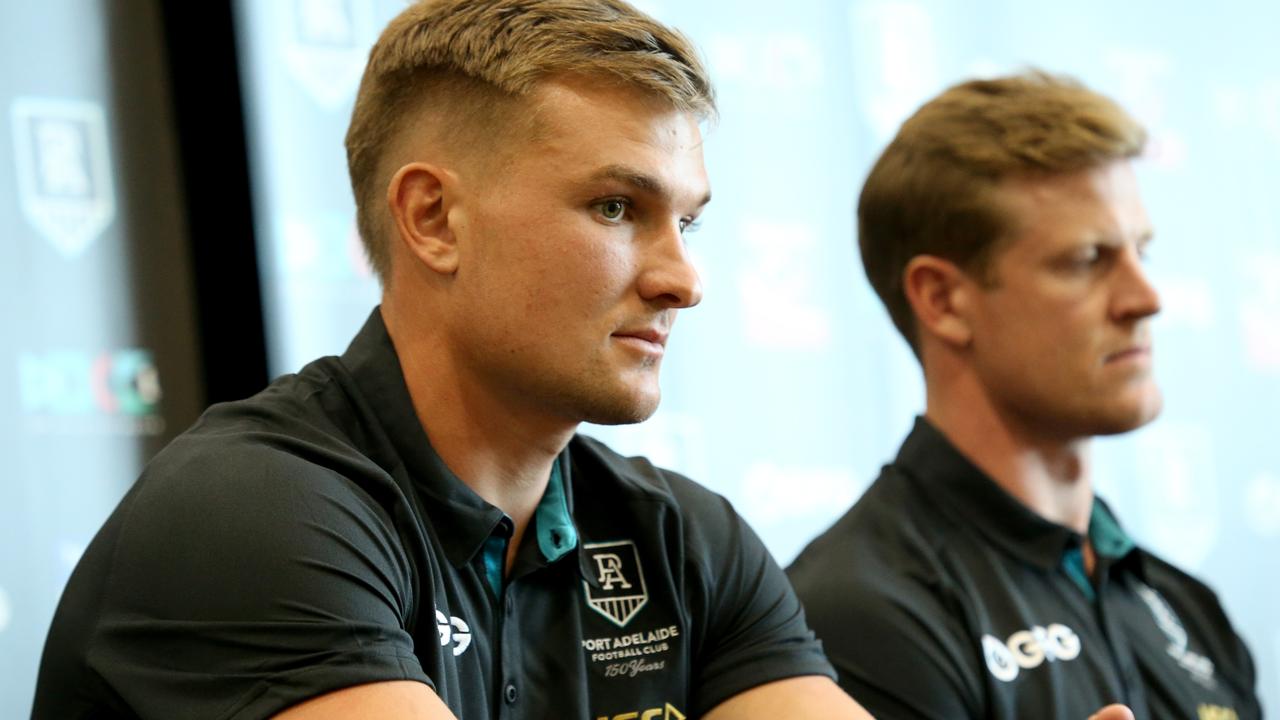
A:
[(1086, 257), (613, 210)]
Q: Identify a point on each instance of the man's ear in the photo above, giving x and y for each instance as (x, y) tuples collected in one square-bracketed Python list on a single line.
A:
[(417, 200), (940, 294)]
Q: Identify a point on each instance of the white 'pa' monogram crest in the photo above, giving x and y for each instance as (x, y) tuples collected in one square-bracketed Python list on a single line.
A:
[(609, 573), (619, 591)]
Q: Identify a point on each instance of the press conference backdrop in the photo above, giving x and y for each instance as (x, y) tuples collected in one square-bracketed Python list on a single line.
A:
[(787, 388), (98, 363)]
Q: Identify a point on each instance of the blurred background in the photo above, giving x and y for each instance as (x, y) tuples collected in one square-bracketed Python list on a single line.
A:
[(178, 229)]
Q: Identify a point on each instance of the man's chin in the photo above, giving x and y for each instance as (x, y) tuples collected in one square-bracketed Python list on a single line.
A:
[(623, 410), (1139, 413)]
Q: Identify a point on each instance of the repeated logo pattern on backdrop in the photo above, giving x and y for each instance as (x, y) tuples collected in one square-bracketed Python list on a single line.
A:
[(787, 388), (93, 298)]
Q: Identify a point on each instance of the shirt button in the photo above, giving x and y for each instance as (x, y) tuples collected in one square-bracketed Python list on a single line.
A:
[(511, 694)]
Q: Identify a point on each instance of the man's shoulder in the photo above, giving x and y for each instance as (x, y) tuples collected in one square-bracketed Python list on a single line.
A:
[(609, 487), (314, 398), (318, 407), (304, 432), (893, 529), (1184, 590), (636, 476)]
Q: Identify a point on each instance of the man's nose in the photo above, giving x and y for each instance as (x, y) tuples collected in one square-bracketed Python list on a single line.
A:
[(1136, 297), (669, 277)]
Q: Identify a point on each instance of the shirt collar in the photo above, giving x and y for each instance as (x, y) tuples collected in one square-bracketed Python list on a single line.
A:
[(618, 499), (1111, 544), (960, 487), (462, 520), (1109, 540), (553, 518)]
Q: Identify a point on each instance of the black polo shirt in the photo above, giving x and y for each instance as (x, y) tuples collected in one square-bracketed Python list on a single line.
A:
[(309, 539), (939, 595)]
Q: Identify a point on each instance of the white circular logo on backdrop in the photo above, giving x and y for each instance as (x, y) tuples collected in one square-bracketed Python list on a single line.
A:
[(6, 610), (1262, 505)]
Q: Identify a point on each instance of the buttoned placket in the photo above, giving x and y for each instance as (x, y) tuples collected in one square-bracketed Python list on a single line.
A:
[(509, 668), (507, 691), (1110, 616), (534, 554)]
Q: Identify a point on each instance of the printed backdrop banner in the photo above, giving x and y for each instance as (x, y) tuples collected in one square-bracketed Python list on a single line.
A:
[(97, 350), (785, 390)]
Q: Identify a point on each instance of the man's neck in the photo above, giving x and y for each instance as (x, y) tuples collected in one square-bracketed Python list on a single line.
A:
[(1049, 475), (500, 449)]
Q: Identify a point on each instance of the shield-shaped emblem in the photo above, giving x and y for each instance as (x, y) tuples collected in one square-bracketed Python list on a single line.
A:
[(325, 46), (64, 170), (1180, 508), (616, 590)]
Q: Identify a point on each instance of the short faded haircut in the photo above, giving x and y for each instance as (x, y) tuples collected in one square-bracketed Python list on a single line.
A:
[(474, 62), (932, 192)]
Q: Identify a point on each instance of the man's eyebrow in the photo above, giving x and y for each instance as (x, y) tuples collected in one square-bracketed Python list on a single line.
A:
[(1143, 237), (639, 180)]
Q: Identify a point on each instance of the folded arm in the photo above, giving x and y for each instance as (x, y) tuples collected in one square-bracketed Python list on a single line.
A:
[(801, 698), (397, 700)]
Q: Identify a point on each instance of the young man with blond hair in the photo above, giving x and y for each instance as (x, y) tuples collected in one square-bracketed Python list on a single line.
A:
[(980, 577), (413, 529)]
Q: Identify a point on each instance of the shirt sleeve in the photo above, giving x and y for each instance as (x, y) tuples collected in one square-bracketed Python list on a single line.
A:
[(244, 582), (751, 627)]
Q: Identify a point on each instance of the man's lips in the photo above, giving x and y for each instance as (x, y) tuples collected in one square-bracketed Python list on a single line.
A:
[(651, 339), (1133, 353)]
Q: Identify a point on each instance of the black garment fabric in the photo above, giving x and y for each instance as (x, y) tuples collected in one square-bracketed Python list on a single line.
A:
[(309, 539), (939, 595)]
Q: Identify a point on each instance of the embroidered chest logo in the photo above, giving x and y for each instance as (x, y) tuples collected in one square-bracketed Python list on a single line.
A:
[(1028, 649), (666, 712), (618, 591), (1216, 712), (1199, 666), (453, 631)]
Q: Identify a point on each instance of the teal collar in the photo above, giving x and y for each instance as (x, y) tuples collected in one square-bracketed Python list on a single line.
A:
[(1109, 541), (551, 520), (1105, 534), (552, 525)]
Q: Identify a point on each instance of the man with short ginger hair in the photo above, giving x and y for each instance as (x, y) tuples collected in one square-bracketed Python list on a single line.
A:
[(414, 530), (979, 576)]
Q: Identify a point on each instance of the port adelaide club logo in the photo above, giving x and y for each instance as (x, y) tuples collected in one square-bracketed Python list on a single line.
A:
[(616, 589), (325, 45), (64, 170)]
